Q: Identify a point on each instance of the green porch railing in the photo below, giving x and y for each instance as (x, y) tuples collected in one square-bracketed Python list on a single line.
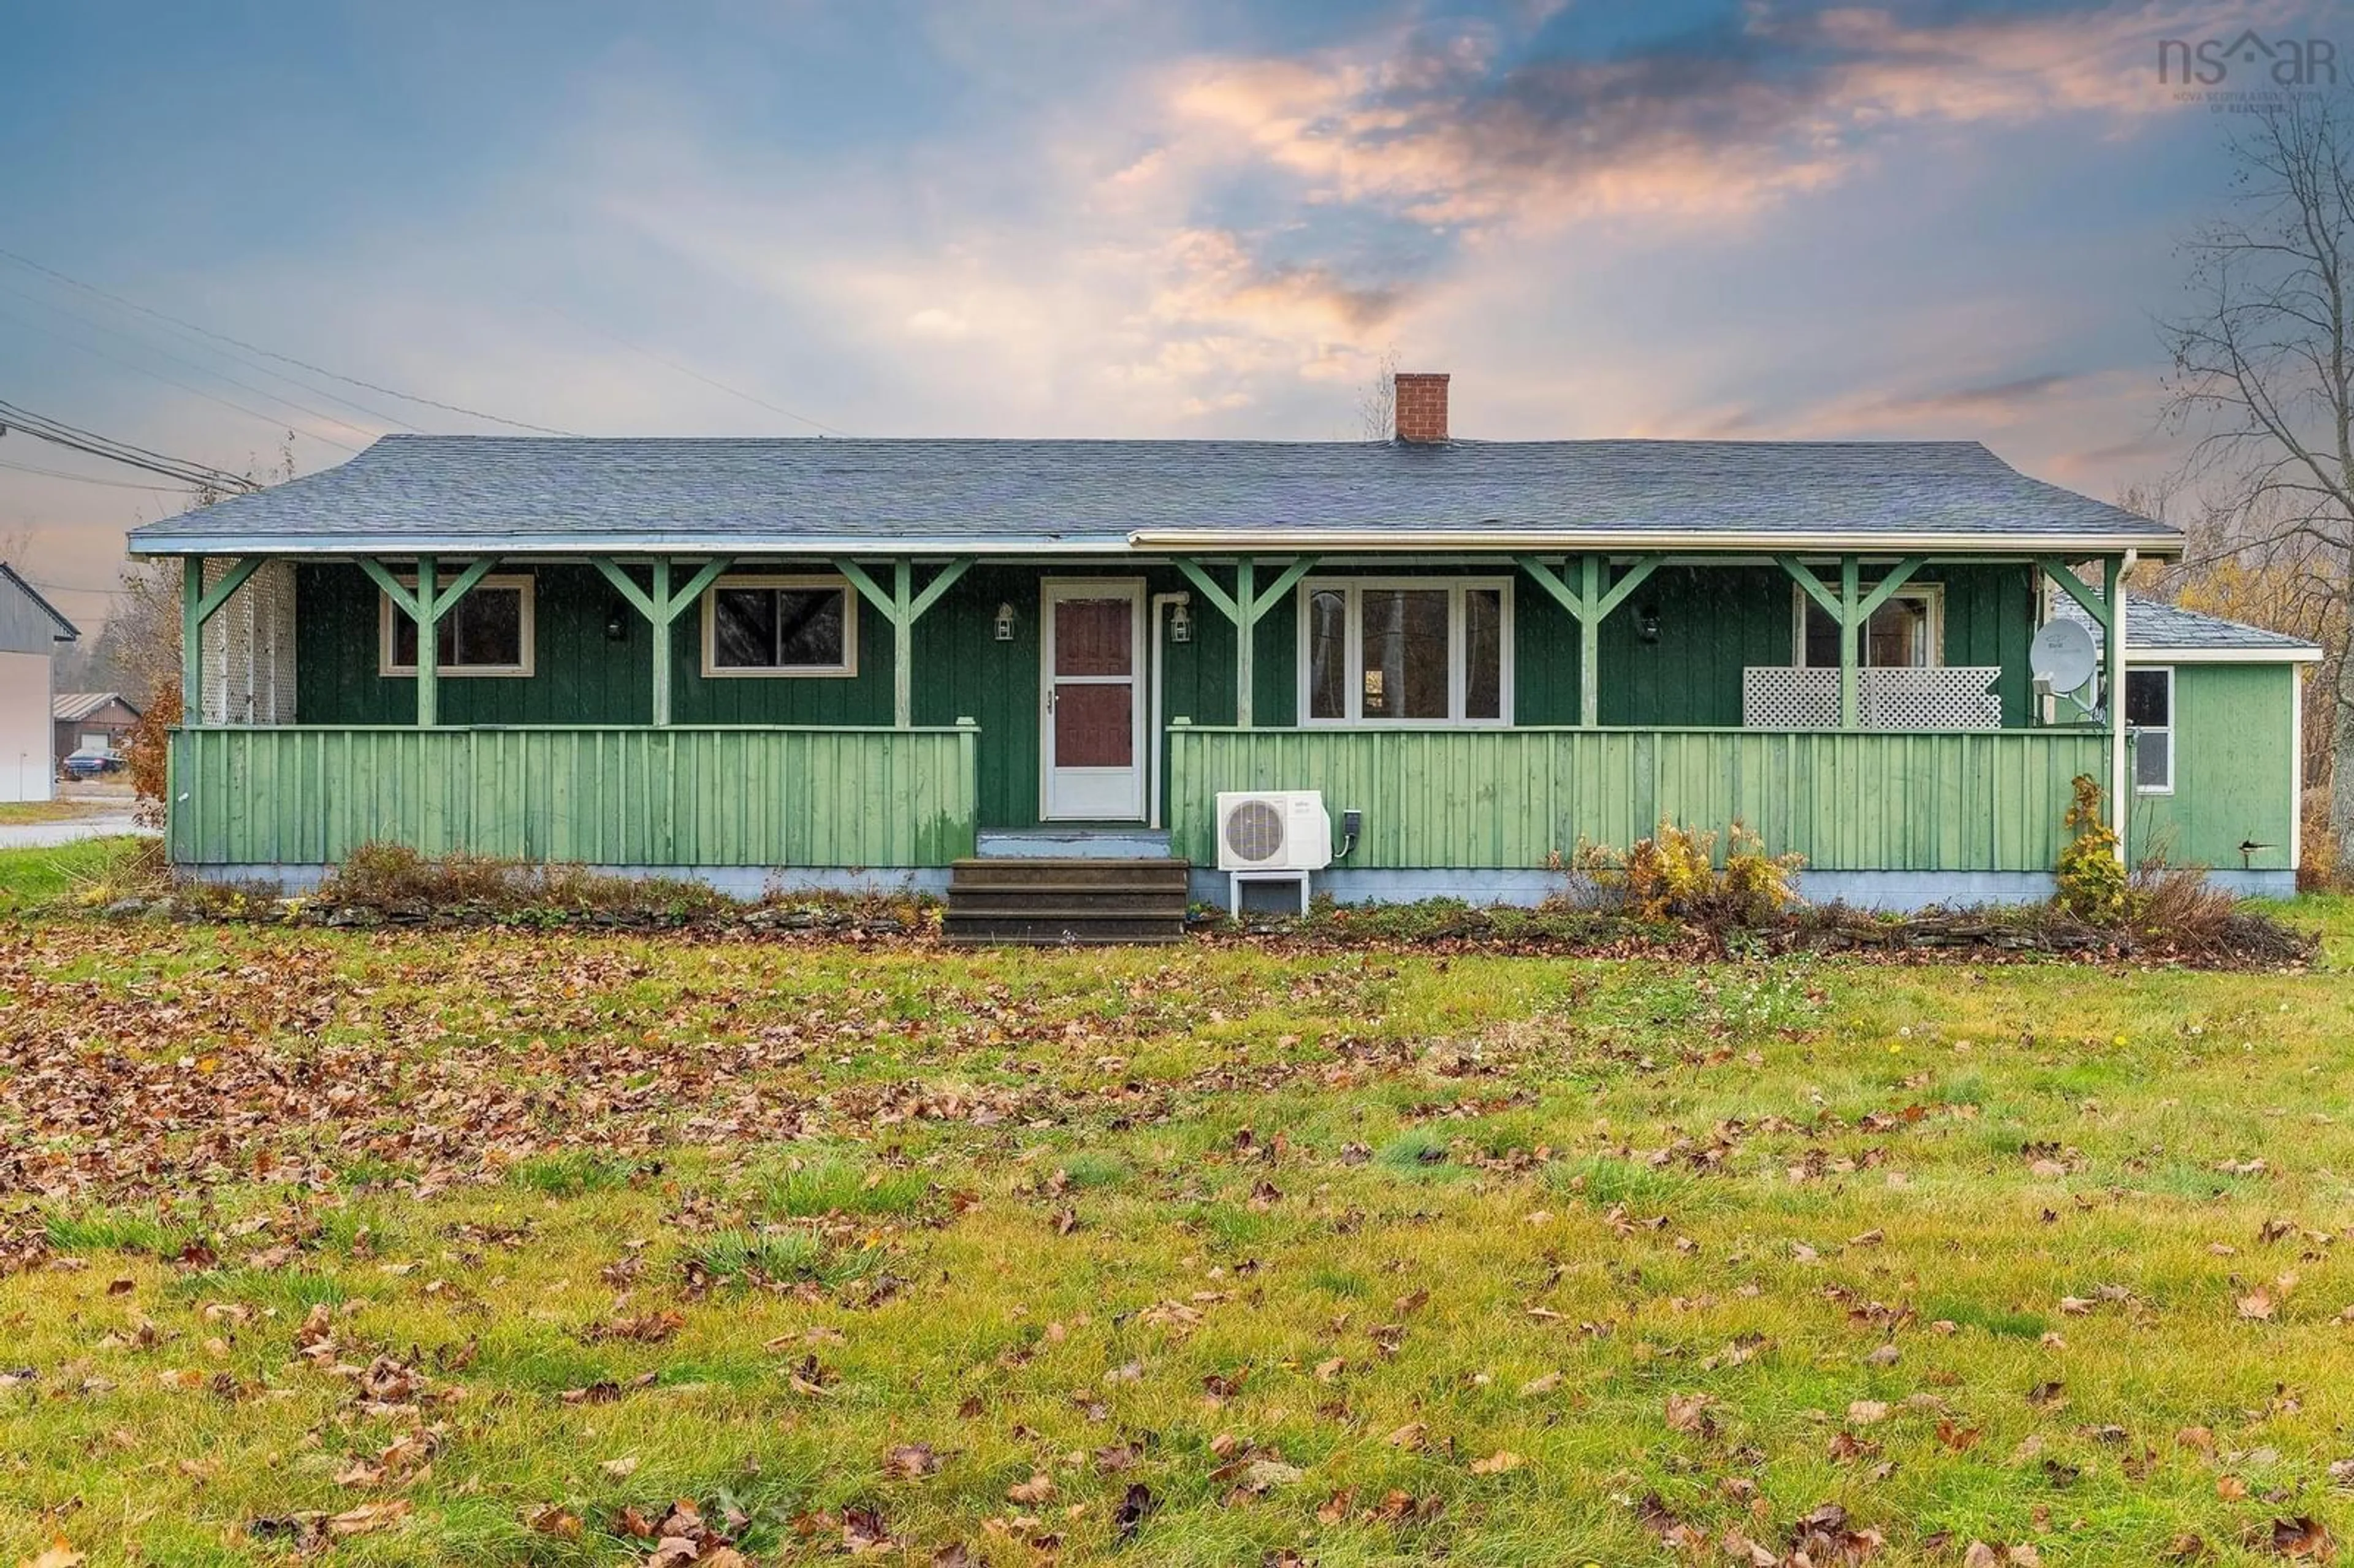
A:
[(682, 796), (1848, 800)]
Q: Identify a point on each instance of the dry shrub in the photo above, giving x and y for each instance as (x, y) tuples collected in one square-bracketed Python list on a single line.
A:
[(1673, 875), (2179, 906), (147, 751), (2318, 869), (2092, 883), (395, 877)]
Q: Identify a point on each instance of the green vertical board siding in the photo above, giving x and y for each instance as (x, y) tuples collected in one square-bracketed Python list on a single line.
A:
[(2233, 738), (1989, 801), (604, 797), (580, 675), (1714, 622)]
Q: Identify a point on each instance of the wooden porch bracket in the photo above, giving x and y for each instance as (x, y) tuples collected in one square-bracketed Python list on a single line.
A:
[(426, 606), (902, 607), (662, 608), (1851, 608), (1245, 607), (1591, 604), (197, 607)]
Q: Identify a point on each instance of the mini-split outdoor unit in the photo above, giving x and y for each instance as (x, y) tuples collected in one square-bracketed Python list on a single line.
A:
[(1273, 830)]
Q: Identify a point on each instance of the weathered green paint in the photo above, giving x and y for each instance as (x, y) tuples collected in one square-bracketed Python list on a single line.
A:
[(1714, 620), (1851, 609), (2233, 738), (662, 606), (1987, 801), (1589, 603), (865, 798)]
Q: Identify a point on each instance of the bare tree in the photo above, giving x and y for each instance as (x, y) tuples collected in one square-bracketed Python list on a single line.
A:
[(2263, 363), (1377, 404)]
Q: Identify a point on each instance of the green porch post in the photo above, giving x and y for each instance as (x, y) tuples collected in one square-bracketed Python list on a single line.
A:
[(425, 605), (191, 641), (197, 606), (1590, 603), (1245, 607), (902, 606), (2113, 594), (429, 647), (1850, 609), (1850, 693), (660, 653), (1247, 644), (661, 609)]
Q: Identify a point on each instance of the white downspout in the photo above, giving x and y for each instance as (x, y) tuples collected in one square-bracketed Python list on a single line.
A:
[(1161, 602), (2120, 776), (2295, 767)]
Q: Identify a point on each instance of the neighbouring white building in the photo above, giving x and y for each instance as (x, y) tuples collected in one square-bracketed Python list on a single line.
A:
[(30, 631)]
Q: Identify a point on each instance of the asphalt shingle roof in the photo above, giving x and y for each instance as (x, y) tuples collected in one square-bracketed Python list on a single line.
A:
[(2152, 624), (526, 493)]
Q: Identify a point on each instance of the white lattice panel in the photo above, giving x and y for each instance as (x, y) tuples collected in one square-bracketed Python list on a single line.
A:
[(1949, 697), (1953, 697), (249, 676), (1789, 696)]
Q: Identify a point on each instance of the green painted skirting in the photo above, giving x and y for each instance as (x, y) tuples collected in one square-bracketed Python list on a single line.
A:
[(1983, 800), (597, 796)]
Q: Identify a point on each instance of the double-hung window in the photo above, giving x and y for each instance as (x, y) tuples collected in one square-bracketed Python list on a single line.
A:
[(1428, 650), (1905, 630), (779, 626), (487, 632), (2149, 710)]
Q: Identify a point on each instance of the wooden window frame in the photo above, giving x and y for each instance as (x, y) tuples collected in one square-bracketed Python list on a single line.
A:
[(2171, 728), (1458, 659), (846, 670), (527, 582), (1932, 595)]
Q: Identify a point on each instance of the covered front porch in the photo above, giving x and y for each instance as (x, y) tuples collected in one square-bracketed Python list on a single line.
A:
[(842, 720)]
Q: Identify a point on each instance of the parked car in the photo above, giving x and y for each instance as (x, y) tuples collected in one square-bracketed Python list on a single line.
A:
[(90, 762)]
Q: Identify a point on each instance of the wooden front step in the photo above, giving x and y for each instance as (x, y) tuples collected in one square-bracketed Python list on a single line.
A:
[(1065, 901)]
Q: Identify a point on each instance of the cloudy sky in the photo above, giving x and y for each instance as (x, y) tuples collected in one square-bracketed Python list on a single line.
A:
[(1085, 217)]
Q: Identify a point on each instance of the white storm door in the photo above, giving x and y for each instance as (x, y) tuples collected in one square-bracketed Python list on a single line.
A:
[(1091, 689)]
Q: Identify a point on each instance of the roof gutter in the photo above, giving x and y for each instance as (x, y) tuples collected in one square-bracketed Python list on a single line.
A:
[(2300, 653), (146, 545), (1528, 539)]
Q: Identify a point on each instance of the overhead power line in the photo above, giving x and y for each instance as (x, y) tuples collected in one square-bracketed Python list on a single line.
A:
[(690, 374), (88, 479), (272, 421), (280, 358), (200, 369), (195, 475)]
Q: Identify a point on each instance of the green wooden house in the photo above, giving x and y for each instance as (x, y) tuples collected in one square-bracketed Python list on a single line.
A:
[(851, 663)]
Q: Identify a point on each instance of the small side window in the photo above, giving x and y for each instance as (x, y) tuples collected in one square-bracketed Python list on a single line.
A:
[(2149, 711)]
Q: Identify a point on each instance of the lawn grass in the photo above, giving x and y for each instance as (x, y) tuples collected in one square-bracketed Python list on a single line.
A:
[(34, 879), (20, 813), (488, 1244)]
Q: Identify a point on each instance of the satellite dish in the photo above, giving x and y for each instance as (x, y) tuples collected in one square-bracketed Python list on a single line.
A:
[(2062, 656)]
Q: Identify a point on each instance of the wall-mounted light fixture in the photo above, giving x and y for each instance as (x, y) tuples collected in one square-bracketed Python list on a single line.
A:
[(1003, 625), (1647, 624), (617, 622), (1180, 622)]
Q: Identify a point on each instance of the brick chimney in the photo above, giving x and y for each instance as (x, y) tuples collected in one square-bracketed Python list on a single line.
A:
[(1421, 405)]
